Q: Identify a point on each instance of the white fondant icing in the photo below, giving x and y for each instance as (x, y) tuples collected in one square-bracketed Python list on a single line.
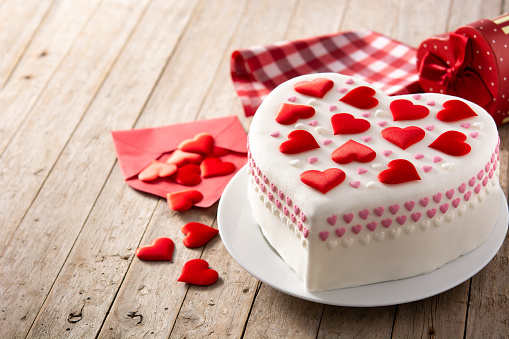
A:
[(363, 261)]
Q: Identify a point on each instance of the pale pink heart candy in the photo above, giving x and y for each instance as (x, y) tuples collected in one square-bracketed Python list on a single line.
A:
[(332, 219), (342, 90), (401, 219), (444, 208), (274, 134), (450, 193), (480, 174), (278, 204), (429, 127), (302, 216), (364, 214), (386, 152), (348, 217), (326, 141), (324, 235), (394, 208), (491, 174), (418, 156), (292, 98), (465, 124), (436, 159), (285, 211), (416, 96), (424, 202), (312, 123), (288, 201), (294, 219), (349, 81), (356, 229), (366, 114), (379, 211), (312, 160), (371, 226), (474, 134), (485, 182), (299, 225), (437, 197), (431, 103), (409, 205), (487, 167), (333, 108), (265, 179), (382, 123), (340, 232), (270, 196), (361, 170), (296, 209), (471, 182), (305, 232), (355, 183), (281, 195), (386, 223), (427, 168), (366, 138), (456, 202), (432, 212), (416, 216), (468, 195), (462, 188), (262, 187)]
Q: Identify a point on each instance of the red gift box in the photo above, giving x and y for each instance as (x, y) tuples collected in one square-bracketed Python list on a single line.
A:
[(472, 62)]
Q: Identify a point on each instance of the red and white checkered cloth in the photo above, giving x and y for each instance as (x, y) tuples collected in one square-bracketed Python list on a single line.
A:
[(377, 59)]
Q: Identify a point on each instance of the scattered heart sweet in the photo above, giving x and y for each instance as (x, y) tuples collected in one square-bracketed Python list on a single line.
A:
[(391, 167), (187, 175), (183, 200), (181, 158), (213, 167), (157, 169), (197, 272), (159, 249), (202, 143), (197, 234)]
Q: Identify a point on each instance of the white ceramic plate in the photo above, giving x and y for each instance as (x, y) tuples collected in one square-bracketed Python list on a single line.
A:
[(247, 245)]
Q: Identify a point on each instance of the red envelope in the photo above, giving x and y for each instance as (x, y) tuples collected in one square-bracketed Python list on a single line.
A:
[(137, 148)]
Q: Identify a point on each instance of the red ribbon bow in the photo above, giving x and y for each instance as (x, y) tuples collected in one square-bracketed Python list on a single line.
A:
[(456, 78)]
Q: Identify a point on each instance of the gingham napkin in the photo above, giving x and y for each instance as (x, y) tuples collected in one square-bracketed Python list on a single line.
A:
[(384, 62)]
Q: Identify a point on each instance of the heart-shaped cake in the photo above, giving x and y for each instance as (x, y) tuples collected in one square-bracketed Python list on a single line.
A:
[(353, 187)]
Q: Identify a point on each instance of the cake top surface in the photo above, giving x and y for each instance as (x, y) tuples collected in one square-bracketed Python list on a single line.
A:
[(333, 141)]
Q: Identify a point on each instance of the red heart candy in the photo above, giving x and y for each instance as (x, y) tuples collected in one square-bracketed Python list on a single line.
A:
[(403, 137), (405, 110), (202, 143), (159, 249), (361, 97), (398, 171), (316, 88), (181, 158), (157, 169), (455, 110), (288, 114), (452, 143), (197, 234), (218, 152), (323, 181), (213, 167), (344, 123), (187, 175), (352, 151), (183, 200), (197, 272), (298, 141)]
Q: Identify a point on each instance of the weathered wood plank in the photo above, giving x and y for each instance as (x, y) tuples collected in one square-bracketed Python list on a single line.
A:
[(465, 12), (94, 270), (43, 55), (42, 241), (16, 35), (178, 96)]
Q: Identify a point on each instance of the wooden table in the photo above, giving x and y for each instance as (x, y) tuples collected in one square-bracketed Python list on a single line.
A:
[(72, 71)]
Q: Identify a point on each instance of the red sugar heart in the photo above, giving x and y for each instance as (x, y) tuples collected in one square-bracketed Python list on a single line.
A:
[(405, 110), (452, 143), (298, 141), (344, 123), (213, 167), (187, 175), (218, 152), (181, 158), (197, 234), (352, 151), (202, 143), (157, 169), (398, 171), (288, 114), (197, 272), (183, 200), (455, 110), (323, 181), (159, 249), (403, 137), (361, 97), (316, 88)]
